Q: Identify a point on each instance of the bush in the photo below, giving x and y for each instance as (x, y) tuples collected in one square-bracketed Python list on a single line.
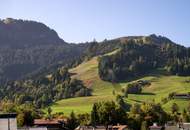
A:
[(133, 88)]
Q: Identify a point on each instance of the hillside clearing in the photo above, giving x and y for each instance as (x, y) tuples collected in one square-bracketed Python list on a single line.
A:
[(161, 86)]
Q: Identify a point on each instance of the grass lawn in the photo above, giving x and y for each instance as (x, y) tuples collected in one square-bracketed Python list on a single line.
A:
[(183, 104), (161, 86)]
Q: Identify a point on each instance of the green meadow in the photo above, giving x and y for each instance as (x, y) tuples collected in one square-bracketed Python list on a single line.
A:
[(161, 85)]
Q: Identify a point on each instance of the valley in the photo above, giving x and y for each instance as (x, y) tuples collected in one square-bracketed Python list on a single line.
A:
[(94, 65)]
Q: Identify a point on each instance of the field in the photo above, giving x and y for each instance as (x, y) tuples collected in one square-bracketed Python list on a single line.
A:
[(161, 85)]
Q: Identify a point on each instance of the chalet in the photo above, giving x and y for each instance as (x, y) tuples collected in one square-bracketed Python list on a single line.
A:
[(53, 124), (156, 127), (182, 96), (116, 127), (84, 128), (8, 121), (91, 128)]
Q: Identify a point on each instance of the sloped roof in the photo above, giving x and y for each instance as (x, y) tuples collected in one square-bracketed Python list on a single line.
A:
[(119, 127), (8, 115), (47, 122)]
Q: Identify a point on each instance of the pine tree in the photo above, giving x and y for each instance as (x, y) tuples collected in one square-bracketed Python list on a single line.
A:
[(94, 115), (72, 122)]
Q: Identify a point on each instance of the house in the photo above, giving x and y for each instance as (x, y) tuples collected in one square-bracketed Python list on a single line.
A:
[(100, 127), (182, 96), (85, 128), (170, 125), (117, 127), (91, 128), (180, 126), (156, 127), (185, 126), (8, 121), (53, 124)]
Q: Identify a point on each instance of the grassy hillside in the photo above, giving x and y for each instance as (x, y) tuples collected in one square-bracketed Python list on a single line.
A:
[(161, 85), (88, 73)]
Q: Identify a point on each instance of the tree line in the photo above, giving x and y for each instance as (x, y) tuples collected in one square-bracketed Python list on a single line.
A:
[(106, 113)]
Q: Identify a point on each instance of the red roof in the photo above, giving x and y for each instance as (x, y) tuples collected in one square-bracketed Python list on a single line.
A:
[(158, 127), (148, 117), (46, 122), (119, 127)]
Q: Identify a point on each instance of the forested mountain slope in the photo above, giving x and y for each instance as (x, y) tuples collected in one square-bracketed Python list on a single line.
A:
[(30, 49), (142, 55), (27, 46)]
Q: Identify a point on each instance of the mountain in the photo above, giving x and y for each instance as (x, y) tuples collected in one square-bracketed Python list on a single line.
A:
[(31, 49), (21, 34), (28, 46), (141, 55), (33, 59), (157, 60)]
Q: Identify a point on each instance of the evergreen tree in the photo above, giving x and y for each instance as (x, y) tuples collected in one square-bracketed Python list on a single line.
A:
[(72, 121), (94, 115), (174, 108), (120, 101), (49, 110)]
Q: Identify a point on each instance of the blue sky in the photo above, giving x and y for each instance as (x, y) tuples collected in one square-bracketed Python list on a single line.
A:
[(84, 20)]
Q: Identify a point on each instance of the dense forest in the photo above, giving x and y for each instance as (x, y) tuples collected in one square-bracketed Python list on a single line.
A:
[(30, 49), (44, 90), (140, 56), (28, 46)]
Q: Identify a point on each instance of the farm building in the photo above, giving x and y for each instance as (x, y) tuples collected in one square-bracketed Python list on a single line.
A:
[(8, 122), (53, 124), (182, 96)]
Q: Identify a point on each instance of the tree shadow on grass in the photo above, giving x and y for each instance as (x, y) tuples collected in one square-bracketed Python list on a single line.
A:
[(147, 93), (155, 73)]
